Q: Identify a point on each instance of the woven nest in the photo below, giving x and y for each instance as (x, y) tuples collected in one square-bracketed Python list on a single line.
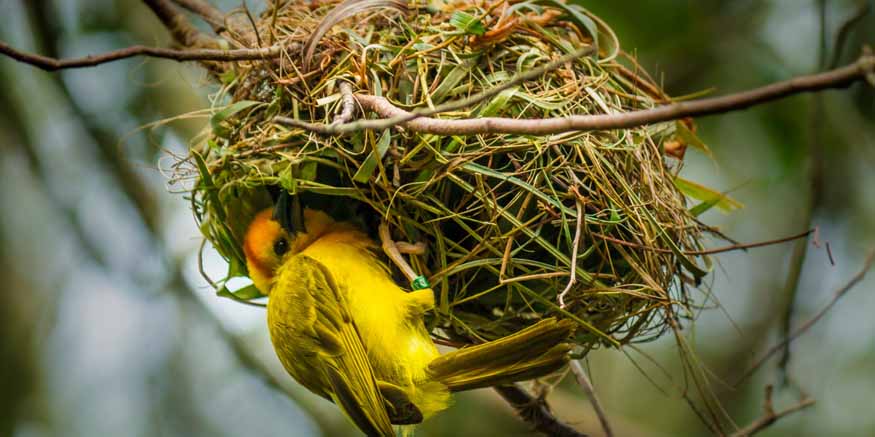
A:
[(499, 213)]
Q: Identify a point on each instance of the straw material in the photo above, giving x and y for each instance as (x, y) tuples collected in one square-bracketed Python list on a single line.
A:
[(502, 216)]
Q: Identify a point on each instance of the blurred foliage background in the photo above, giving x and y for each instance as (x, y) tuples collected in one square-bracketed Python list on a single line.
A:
[(108, 329)]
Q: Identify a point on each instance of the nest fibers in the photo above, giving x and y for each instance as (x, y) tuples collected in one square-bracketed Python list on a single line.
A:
[(504, 217)]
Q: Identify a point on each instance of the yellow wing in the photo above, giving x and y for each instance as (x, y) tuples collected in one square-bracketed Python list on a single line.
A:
[(318, 343)]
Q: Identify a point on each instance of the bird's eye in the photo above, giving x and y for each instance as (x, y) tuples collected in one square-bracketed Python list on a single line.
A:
[(281, 246)]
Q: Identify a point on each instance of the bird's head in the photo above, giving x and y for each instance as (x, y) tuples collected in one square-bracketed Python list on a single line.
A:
[(276, 233), (265, 245)]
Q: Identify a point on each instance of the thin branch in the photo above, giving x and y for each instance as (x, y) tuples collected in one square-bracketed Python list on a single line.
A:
[(845, 31), (587, 387), (838, 294), (419, 120), (182, 30), (347, 107), (198, 46), (536, 412), (53, 64), (209, 13), (402, 117), (815, 159), (221, 23), (770, 416), (253, 24), (729, 248)]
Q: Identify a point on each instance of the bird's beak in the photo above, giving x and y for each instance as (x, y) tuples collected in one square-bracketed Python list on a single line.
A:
[(289, 213)]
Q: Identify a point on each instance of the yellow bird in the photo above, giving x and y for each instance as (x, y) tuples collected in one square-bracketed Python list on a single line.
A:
[(346, 331)]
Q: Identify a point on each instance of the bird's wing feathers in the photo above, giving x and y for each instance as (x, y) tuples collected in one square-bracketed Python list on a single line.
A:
[(342, 357), (402, 411)]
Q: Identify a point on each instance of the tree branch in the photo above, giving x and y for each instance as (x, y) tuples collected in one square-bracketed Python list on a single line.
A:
[(587, 387), (536, 412), (815, 159), (218, 21), (770, 416), (209, 13), (394, 116), (182, 30), (53, 64), (845, 30), (838, 294)]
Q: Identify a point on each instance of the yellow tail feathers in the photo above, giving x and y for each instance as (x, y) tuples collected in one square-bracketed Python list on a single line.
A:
[(533, 352)]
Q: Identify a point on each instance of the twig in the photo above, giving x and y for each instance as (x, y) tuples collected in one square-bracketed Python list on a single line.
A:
[(52, 64), (221, 23), (536, 412), (209, 13), (418, 120), (832, 260), (587, 387), (729, 248), (347, 107), (395, 115), (252, 23), (182, 30), (838, 294), (845, 30), (815, 158), (770, 416), (574, 249)]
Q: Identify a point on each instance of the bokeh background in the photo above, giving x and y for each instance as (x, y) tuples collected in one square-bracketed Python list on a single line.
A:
[(106, 327)]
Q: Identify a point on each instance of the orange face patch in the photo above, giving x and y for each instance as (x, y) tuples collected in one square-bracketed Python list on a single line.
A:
[(258, 244)]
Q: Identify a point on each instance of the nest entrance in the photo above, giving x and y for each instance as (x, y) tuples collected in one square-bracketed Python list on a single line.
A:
[(503, 216)]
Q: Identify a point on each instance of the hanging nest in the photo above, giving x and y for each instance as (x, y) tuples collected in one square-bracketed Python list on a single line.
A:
[(501, 216)]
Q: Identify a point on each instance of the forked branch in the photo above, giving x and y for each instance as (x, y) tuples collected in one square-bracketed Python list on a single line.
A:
[(52, 64), (837, 295), (770, 416), (536, 412)]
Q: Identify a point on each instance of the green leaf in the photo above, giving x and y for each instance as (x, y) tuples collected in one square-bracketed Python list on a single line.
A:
[(217, 118), (228, 77), (248, 292), (690, 139), (467, 23), (327, 190), (704, 206), (454, 144), (237, 268), (209, 185), (707, 196), (449, 83), (542, 103), (308, 171), (288, 180), (577, 15), (498, 103), (367, 169)]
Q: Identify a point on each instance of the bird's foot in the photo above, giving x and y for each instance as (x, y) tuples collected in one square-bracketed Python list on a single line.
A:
[(394, 250)]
